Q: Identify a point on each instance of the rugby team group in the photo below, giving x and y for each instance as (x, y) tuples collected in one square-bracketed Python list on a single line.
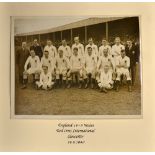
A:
[(100, 68)]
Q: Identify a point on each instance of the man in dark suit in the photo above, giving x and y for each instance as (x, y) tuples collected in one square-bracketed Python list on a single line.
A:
[(37, 48), (21, 57), (133, 54)]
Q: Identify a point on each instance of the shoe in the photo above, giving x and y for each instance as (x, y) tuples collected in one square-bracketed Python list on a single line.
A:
[(69, 85), (104, 90), (129, 89), (86, 86), (23, 87)]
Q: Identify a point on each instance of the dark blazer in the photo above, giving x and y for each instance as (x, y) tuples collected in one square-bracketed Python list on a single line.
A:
[(38, 50), (21, 57), (132, 53)]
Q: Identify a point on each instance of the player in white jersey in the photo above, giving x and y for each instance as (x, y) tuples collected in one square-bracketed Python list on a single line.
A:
[(106, 81), (50, 62), (45, 81), (90, 64), (62, 67), (116, 49), (66, 49), (93, 46), (105, 60), (51, 49), (122, 68), (78, 45), (76, 68), (104, 46), (34, 62)]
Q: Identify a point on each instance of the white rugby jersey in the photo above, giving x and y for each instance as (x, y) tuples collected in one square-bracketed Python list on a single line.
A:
[(90, 61), (116, 49), (123, 61), (103, 61), (34, 62), (62, 63), (106, 77), (52, 50), (50, 62), (101, 48), (76, 62), (66, 50), (45, 78), (94, 49), (80, 49)]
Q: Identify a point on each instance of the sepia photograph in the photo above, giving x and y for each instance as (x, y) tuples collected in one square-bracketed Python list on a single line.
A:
[(86, 66)]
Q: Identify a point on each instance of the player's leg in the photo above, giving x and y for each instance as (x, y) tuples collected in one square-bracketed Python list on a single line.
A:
[(80, 78), (69, 78), (64, 77), (25, 79), (118, 78), (57, 78), (127, 74)]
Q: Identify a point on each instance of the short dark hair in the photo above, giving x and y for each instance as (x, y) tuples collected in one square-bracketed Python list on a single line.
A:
[(75, 48)]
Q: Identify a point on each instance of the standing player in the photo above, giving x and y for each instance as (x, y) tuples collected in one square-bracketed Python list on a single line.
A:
[(122, 68), (78, 45), (76, 68), (51, 49), (93, 47), (104, 46), (116, 49), (62, 67), (90, 65), (34, 62), (37, 48), (45, 79), (66, 49)]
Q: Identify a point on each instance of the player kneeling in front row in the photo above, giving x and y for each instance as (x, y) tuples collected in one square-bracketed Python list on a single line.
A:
[(106, 81), (122, 69), (45, 79), (34, 62), (76, 68), (62, 67), (90, 65)]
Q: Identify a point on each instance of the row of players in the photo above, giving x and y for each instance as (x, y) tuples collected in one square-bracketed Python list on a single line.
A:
[(103, 68)]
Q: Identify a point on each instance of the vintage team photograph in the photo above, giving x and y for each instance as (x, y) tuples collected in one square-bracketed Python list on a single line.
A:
[(76, 66)]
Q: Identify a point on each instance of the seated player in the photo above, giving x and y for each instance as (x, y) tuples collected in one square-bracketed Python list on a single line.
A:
[(62, 67), (104, 60), (76, 68), (122, 68), (90, 68), (45, 79), (105, 81), (50, 62), (34, 62)]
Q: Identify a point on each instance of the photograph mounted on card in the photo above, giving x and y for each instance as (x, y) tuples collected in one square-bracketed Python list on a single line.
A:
[(76, 67)]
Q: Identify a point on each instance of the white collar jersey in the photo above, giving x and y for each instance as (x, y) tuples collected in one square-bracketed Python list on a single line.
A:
[(103, 61), (52, 50), (62, 62), (106, 77), (66, 50), (50, 62), (80, 49), (33, 61), (76, 62), (101, 48), (123, 61), (116, 50), (45, 78), (94, 49), (90, 61)]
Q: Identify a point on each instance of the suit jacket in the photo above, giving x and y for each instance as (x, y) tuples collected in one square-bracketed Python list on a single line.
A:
[(132, 53), (21, 57), (38, 50)]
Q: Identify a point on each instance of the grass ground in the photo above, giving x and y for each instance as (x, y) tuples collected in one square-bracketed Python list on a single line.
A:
[(76, 101)]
